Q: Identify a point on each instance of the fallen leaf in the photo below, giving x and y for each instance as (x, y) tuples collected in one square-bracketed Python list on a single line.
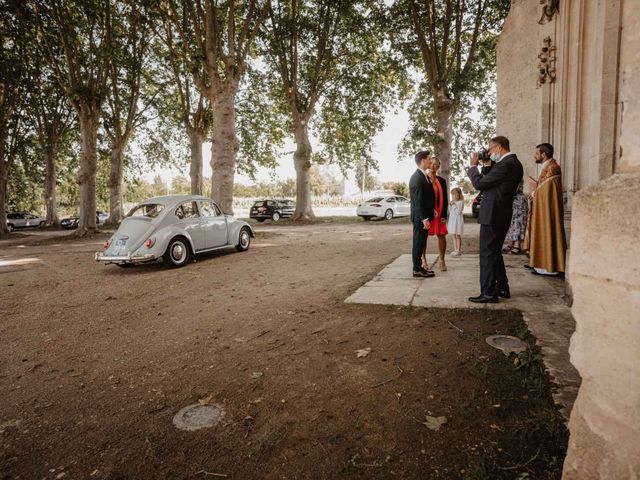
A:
[(205, 401), (363, 352), (495, 427), (255, 375), (434, 423)]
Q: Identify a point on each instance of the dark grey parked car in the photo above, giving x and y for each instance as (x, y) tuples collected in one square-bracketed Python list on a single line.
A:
[(272, 209)]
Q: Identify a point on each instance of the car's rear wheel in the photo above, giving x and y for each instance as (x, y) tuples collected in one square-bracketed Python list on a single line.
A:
[(388, 214), (41, 224), (10, 227), (366, 219), (276, 216), (125, 265), (261, 220), (244, 240), (177, 253)]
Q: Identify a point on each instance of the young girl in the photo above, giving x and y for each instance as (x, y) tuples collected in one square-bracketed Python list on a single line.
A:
[(456, 220)]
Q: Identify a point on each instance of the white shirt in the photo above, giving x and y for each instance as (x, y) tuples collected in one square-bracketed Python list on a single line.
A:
[(500, 159)]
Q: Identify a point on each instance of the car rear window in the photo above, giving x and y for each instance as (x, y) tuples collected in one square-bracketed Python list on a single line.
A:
[(150, 210), (375, 200)]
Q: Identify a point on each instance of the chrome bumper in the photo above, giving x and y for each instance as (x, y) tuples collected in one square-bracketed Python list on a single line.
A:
[(100, 257)]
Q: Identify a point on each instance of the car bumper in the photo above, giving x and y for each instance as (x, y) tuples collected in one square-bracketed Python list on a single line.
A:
[(100, 257), (260, 215), (370, 213)]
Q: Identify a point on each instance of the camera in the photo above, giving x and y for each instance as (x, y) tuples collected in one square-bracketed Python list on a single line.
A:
[(483, 155)]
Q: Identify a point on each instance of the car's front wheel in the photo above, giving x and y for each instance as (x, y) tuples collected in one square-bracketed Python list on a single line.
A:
[(388, 214), (177, 253), (41, 224), (276, 216), (244, 240)]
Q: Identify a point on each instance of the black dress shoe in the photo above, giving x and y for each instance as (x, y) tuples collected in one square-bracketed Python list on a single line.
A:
[(424, 274), (526, 265), (504, 293), (483, 299)]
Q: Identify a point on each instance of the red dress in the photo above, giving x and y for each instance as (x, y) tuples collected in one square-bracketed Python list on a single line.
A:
[(437, 227)]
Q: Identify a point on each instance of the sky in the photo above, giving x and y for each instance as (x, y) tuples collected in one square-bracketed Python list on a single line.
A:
[(392, 168)]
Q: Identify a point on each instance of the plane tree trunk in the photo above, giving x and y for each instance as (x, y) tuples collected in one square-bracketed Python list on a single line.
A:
[(302, 162), (50, 189), (196, 139), (224, 147), (89, 118)]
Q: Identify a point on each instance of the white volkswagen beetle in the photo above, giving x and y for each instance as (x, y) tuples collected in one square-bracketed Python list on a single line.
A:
[(384, 207), (173, 227)]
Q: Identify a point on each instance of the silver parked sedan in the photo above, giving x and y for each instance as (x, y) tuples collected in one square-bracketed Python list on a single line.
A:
[(173, 227)]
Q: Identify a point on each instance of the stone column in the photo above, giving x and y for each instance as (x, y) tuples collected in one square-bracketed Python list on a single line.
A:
[(605, 262)]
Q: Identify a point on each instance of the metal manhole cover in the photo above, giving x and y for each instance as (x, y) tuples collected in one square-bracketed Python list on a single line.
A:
[(506, 343), (195, 417)]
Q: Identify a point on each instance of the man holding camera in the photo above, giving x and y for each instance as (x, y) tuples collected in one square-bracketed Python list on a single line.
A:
[(498, 186)]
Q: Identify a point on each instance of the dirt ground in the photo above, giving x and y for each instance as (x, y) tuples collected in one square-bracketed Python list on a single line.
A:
[(96, 360)]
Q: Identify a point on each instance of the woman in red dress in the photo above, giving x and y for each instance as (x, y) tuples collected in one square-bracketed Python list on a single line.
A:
[(439, 224)]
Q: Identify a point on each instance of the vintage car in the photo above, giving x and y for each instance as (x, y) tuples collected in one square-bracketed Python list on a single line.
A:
[(173, 227)]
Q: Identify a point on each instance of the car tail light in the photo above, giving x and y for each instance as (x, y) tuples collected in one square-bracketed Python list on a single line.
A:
[(150, 243), (262, 209), (375, 205), (105, 245)]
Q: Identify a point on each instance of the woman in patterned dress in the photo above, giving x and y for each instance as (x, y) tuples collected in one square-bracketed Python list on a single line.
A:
[(515, 235)]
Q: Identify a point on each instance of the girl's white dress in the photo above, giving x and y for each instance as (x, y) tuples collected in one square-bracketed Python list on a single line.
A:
[(456, 220)]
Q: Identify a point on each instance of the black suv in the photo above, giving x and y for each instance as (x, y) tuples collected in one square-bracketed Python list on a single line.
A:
[(273, 209)]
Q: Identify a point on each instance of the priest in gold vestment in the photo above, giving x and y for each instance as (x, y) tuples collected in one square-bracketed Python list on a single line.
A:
[(547, 240)]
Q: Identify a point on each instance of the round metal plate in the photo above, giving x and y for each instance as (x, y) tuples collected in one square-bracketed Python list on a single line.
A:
[(195, 417), (507, 343)]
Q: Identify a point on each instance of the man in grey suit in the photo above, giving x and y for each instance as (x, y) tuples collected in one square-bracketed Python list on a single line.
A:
[(498, 186), (422, 210)]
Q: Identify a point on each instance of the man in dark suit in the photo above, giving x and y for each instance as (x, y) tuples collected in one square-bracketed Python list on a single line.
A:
[(422, 210), (498, 187)]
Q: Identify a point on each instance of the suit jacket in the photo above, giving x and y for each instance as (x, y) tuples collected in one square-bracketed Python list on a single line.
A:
[(498, 188), (422, 198), (445, 197)]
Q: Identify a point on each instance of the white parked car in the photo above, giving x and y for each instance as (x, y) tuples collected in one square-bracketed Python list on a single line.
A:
[(24, 220), (384, 207)]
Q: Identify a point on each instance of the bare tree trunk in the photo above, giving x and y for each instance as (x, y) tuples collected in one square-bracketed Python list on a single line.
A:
[(4, 176), (116, 211), (89, 120), (50, 197), (196, 138), (302, 162), (224, 147), (445, 112)]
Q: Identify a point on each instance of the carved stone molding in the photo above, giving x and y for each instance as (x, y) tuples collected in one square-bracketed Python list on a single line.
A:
[(550, 8), (547, 63)]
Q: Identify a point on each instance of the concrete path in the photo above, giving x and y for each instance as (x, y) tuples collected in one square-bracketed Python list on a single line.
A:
[(540, 299)]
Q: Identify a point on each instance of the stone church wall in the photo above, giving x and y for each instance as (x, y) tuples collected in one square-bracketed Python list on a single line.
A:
[(591, 113)]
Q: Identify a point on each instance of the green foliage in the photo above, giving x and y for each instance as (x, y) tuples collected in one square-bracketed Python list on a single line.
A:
[(363, 172), (452, 46), (400, 188), (334, 72), (262, 123)]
